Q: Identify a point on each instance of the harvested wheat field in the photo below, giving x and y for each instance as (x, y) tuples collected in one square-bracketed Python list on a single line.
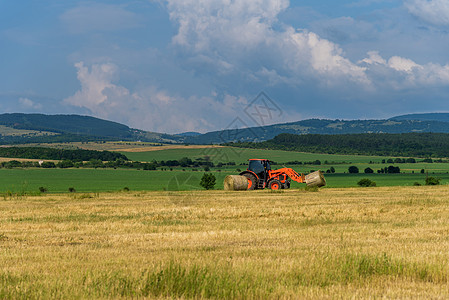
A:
[(334, 243)]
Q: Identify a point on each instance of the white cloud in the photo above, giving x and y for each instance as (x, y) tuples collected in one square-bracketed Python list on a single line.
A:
[(374, 58), (241, 46), (151, 108), (240, 35), (245, 38), (97, 87), (91, 17), (432, 11), (29, 104), (402, 73), (402, 64)]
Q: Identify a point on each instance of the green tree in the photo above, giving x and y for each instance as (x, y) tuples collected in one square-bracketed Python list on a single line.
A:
[(353, 169), (48, 165), (208, 181), (369, 171), (65, 164), (393, 169)]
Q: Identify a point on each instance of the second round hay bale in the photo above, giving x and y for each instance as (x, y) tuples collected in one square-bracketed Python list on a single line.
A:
[(315, 179), (235, 183)]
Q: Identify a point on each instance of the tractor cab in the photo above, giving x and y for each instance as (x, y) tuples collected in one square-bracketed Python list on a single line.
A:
[(260, 168), (259, 165)]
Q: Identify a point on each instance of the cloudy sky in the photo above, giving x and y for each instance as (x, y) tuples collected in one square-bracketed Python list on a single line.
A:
[(195, 65)]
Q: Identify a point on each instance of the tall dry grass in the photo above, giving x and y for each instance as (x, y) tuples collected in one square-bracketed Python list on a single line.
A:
[(335, 243)]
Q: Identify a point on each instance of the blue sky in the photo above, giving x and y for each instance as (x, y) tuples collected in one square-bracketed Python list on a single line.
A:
[(195, 65)]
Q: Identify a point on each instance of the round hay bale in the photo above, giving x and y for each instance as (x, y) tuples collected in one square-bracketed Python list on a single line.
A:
[(315, 179), (235, 183)]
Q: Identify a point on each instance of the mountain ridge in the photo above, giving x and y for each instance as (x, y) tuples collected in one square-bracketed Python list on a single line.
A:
[(60, 128)]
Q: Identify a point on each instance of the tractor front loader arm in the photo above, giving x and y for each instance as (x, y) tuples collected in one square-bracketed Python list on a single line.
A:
[(292, 174)]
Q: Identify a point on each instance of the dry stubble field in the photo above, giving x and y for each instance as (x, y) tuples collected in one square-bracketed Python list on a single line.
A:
[(335, 243)]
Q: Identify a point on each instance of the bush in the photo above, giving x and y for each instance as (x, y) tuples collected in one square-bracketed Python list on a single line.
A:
[(208, 181), (365, 182), (48, 165), (392, 170), (65, 164), (13, 164), (369, 171), (432, 181), (72, 190), (416, 183), (353, 169), (43, 189)]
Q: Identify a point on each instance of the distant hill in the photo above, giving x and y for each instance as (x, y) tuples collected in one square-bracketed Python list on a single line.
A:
[(30, 128), (184, 134), (319, 126), (74, 124), (441, 117), (17, 128)]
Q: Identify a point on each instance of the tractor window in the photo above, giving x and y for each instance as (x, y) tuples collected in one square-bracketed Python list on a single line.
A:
[(256, 166)]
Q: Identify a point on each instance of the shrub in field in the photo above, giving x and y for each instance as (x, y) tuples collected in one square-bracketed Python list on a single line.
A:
[(353, 169), (365, 182), (48, 165), (12, 164), (432, 181), (393, 169), (416, 183), (208, 181), (65, 164), (43, 189), (72, 190), (369, 170)]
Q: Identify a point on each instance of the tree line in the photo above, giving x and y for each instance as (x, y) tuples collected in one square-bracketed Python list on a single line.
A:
[(383, 144), (121, 162), (77, 155)]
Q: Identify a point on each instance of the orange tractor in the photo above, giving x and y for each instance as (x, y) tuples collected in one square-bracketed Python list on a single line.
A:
[(260, 176)]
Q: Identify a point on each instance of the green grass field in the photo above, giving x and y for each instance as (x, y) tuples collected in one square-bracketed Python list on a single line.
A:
[(240, 155), (101, 180)]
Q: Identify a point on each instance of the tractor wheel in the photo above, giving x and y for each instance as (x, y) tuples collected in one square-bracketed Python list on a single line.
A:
[(252, 182), (275, 184)]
